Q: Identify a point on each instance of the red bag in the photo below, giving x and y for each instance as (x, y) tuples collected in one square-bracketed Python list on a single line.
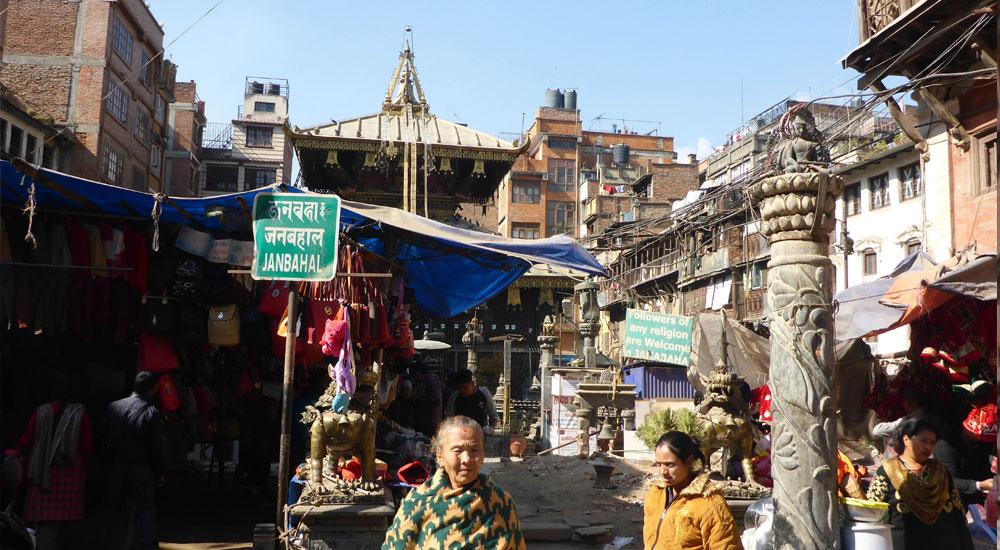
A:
[(274, 302), (278, 342), (762, 395), (320, 311), (156, 353), (169, 399), (981, 423)]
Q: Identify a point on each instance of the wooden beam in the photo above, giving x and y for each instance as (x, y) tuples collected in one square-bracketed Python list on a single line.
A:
[(14, 191), (247, 216), (899, 117), (126, 207), (41, 178), (987, 54), (194, 221), (955, 127)]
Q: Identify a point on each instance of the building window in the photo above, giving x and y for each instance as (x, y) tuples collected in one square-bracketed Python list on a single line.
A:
[(141, 124), (561, 175), (910, 183), (525, 231), (145, 69), (14, 147), (259, 136), (222, 178), (912, 247), (113, 162), (559, 218), (756, 276), (870, 262), (122, 41), (986, 160), (138, 179), (3, 135), (263, 106), (160, 108), (527, 192), (852, 196), (118, 102), (155, 160), (255, 178), (879, 187), (555, 143), (31, 151)]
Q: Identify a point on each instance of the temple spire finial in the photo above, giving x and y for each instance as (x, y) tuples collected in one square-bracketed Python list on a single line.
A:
[(404, 89)]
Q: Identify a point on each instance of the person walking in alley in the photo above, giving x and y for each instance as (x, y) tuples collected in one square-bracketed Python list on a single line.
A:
[(476, 403), (426, 399), (135, 457), (685, 510), (57, 443)]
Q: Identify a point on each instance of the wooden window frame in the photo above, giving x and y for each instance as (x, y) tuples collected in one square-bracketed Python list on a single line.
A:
[(531, 191), (882, 179)]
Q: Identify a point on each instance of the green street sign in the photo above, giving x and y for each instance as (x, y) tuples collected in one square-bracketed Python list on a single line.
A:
[(657, 337), (295, 237)]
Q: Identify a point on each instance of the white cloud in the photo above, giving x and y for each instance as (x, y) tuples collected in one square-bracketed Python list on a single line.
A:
[(703, 148)]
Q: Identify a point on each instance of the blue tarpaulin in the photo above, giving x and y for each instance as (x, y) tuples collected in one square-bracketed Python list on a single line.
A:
[(450, 270)]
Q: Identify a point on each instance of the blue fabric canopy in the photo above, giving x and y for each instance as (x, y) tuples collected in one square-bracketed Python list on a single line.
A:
[(450, 270)]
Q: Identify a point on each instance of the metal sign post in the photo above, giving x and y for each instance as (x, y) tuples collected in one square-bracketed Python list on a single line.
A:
[(296, 238)]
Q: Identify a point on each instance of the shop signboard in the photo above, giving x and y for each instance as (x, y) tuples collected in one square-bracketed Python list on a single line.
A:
[(658, 337), (565, 425), (295, 236)]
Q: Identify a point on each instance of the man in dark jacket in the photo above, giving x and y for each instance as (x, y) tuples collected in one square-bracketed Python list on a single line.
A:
[(134, 431), (474, 402)]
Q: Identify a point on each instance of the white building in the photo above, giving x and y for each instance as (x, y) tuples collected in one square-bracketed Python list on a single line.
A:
[(252, 151), (891, 211)]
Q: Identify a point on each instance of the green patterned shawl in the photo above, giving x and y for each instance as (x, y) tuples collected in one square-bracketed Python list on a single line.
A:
[(480, 515)]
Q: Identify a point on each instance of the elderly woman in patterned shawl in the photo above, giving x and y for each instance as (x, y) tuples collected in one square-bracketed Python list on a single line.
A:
[(925, 509), (458, 507)]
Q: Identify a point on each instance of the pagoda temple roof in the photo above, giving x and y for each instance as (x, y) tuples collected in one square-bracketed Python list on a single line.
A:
[(395, 126), (404, 118)]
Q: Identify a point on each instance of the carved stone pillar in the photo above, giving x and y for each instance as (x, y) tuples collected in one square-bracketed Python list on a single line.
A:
[(797, 212), (590, 325)]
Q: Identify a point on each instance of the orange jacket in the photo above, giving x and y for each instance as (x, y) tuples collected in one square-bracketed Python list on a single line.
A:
[(698, 519)]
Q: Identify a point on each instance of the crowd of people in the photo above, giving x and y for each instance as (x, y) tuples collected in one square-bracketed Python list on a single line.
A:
[(928, 476)]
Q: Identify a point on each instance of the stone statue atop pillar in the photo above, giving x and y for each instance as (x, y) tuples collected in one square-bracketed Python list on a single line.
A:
[(472, 338), (797, 207)]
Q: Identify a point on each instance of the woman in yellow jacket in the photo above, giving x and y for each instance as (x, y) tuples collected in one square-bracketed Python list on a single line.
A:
[(684, 510)]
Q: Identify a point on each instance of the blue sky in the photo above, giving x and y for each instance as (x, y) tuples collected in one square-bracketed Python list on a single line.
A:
[(486, 63)]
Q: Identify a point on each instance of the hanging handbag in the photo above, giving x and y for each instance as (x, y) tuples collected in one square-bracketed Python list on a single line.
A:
[(169, 399), (981, 424), (193, 325), (274, 302), (156, 353), (158, 316), (224, 325)]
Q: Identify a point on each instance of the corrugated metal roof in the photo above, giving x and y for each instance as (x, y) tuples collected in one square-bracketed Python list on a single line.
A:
[(655, 382)]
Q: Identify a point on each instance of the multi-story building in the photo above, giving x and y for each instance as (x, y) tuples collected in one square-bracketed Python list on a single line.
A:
[(251, 151), (947, 52), (185, 126), (95, 69)]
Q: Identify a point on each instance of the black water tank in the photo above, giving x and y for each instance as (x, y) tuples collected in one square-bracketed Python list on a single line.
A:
[(619, 153), (553, 99), (570, 99)]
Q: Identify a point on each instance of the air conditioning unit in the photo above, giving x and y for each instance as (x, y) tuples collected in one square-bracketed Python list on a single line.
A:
[(545, 177)]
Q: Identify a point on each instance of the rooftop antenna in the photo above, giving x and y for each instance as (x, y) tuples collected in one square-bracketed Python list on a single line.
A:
[(554, 70)]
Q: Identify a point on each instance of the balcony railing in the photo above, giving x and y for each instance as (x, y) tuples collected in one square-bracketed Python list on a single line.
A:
[(875, 15)]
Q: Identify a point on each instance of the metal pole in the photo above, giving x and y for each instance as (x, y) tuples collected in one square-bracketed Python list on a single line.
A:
[(286, 407), (506, 385)]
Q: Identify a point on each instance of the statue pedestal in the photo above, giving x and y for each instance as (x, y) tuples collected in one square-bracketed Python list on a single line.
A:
[(345, 526)]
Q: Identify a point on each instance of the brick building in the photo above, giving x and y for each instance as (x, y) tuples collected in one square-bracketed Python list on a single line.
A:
[(185, 126), (95, 69), (251, 151)]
